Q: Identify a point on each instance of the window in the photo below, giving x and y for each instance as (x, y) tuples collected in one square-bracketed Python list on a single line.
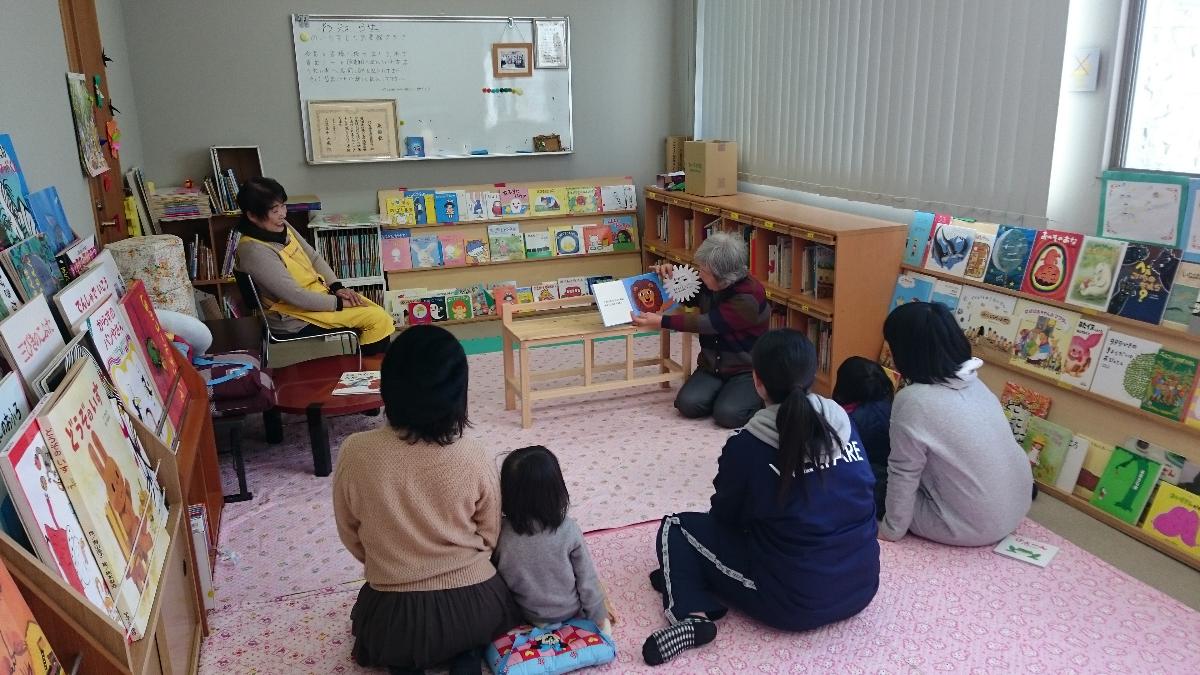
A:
[(1160, 94)]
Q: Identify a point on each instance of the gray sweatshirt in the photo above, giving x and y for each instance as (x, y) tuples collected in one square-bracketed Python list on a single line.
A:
[(955, 475), (550, 574)]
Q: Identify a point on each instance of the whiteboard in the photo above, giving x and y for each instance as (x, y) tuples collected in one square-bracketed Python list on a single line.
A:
[(436, 70)]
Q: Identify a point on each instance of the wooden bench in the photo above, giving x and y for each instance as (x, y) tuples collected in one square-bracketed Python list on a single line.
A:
[(569, 320)]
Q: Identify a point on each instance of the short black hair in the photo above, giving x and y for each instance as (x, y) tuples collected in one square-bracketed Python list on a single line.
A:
[(424, 385), (927, 343), (861, 380), (533, 494), (257, 195)]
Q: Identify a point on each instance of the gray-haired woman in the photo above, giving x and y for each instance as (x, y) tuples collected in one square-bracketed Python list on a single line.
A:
[(733, 315)]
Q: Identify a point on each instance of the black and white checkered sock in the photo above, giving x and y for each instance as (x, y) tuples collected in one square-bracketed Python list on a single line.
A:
[(667, 643)]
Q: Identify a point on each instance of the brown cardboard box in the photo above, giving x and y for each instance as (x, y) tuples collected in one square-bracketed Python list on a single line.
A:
[(711, 167), (675, 152)]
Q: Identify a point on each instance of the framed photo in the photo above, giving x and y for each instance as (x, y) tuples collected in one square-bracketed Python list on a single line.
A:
[(550, 36), (353, 130), (512, 59)]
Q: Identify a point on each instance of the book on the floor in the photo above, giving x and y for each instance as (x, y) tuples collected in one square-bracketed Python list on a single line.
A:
[(1174, 518), (1171, 384), (361, 382), (1126, 485), (24, 648), (1083, 354), (1125, 366), (1046, 445), (1026, 550)]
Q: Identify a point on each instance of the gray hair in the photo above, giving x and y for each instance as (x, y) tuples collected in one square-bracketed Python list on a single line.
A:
[(725, 256)]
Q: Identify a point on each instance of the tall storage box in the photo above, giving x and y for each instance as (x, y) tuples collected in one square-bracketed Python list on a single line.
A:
[(711, 168)]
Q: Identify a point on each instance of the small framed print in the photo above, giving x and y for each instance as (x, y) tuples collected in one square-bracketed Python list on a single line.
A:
[(550, 36), (352, 130), (512, 59)]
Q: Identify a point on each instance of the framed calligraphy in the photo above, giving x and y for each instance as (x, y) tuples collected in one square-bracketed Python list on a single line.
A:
[(353, 130)]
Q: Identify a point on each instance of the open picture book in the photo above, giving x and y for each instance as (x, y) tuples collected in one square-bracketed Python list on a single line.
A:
[(619, 301)]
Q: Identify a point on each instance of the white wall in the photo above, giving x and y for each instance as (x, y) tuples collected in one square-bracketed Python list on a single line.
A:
[(222, 72), (120, 80)]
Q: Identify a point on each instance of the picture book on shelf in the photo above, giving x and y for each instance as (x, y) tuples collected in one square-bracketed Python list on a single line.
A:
[(537, 244), (505, 242), (453, 250), (566, 239), (524, 295), (624, 231), (472, 206), (981, 252), (494, 205), (1021, 403), (398, 210), (515, 201), (949, 246), (1068, 473), (1096, 272), (394, 242), (11, 176), (446, 204), (583, 199), (911, 287), (504, 294), (618, 198), (24, 648), (1144, 282), (424, 206), (53, 374), (1046, 445), (1043, 337), (477, 252), (360, 382), (1051, 262), (158, 355), (1125, 366), (1126, 485), (916, 244), (598, 238), (118, 351), (1172, 382), (32, 268), (1083, 354), (1094, 461), (51, 218), (545, 290), (1177, 470), (545, 201), (419, 313), (947, 293), (1192, 417), (9, 300), (75, 258), (1006, 268), (29, 339), (988, 319), (1174, 519), (572, 287), (1183, 305), (426, 251), (14, 405), (592, 281)]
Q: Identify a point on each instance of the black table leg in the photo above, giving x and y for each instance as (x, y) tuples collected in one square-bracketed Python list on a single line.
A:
[(318, 436), (273, 425)]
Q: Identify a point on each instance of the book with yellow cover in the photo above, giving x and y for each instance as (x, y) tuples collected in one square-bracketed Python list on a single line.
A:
[(1174, 519)]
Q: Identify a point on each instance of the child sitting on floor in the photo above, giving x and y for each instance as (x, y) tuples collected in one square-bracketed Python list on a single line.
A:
[(865, 392), (541, 554)]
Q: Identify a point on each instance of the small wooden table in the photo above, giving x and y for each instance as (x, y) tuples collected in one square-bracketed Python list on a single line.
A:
[(569, 320), (306, 388)]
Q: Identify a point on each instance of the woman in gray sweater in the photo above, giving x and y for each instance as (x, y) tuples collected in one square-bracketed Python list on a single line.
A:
[(955, 474)]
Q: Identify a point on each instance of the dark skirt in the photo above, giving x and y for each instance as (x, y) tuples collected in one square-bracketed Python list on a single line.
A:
[(420, 629)]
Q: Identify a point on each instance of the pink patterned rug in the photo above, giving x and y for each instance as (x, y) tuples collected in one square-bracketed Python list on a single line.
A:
[(285, 585)]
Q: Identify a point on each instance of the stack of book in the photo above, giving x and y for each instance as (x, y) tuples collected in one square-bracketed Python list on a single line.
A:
[(222, 191), (202, 262), (175, 203)]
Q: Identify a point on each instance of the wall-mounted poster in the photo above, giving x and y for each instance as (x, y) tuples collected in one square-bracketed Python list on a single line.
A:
[(1142, 207), (550, 38), (353, 130), (91, 155)]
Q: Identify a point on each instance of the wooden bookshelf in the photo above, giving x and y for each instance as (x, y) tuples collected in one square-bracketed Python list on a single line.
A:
[(214, 233), (865, 252)]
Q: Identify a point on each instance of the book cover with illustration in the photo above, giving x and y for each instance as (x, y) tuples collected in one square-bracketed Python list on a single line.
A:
[(546, 290), (472, 206), (31, 266), (1144, 282), (24, 648), (1051, 263), (397, 210), (947, 293), (618, 198), (647, 294), (624, 231), (566, 239), (1183, 305), (548, 201), (446, 207), (504, 294), (988, 319), (1010, 255), (1095, 273), (515, 201), (1174, 519), (51, 218), (394, 242), (478, 252), (505, 242), (537, 244), (1068, 474), (1043, 337), (16, 218), (949, 246), (1098, 454), (1172, 381), (911, 287), (1019, 405), (1083, 354), (357, 383), (524, 295), (425, 251), (76, 257), (14, 406), (583, 199), (572, 287), (29, 339), (108, 486), (1126, 484), (9, 299), (155, 349), (454, 252), (1026, 550), (82, 296), (419, 312), (424, 206), (1192, 417), (592, 281), (437, 308), (916, 244), (1046, 445), (597, 239), (118, 351), (1125, 366), (981, 252), (493, 204)]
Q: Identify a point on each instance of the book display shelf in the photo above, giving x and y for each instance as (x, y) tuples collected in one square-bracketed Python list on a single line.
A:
[(842, 308)]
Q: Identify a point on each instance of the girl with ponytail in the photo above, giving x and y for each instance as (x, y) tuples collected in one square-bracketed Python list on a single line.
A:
[(790, 539)]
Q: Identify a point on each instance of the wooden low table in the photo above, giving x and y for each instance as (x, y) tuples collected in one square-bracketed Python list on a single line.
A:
[(306, 388), (568, 320)]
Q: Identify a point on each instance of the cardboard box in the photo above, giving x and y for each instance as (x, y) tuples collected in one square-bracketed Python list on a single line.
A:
[(711, 168), (675, 152)]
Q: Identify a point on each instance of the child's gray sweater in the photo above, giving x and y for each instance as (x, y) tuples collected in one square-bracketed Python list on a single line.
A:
[(550, 574), (955, 474)]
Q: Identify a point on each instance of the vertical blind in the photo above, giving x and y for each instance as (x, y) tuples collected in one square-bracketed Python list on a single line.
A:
[(928, 104)]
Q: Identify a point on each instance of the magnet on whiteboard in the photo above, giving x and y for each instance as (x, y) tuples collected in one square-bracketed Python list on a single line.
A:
[(304, 36), (518, 92)]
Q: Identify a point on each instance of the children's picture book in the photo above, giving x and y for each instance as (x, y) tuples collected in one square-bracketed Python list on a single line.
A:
[(1095, 273), (1046, 445), (394, 242), (949, 246), (51, 218), (612, 301), (1125, 367), (453, 250), (426, 251), (624, 231), (29, 339), (11, 176), (357, 383), (646, 294), (1144, 282), (1126, 485), (1192, 418), (583, 199), (1051, 263), (153, 345), (446, 204), (1043, 337), (472, 206), (572, 287), (14, 406), (566, 239), (515, 201), (916, 244), (1027, 550), (597, 239), (1077, 452), (537, 244), (24, 648), (494, 205), (75, 258), (1183, 305), (437, 308), (397, 210), (546, 290), (1021, 403), (479, 300), (1172, 382), (504, 294), (988, 319), (1174, 519), (505, 242), (524, 295), (947, 293), (1010, 254), (119, 354), (546, 201), (82, 296), (478, 252), (911, 287), (419, 313), (424, 206), (592, 281), (1083, 354), (618, 198), (9, 300), (1098, 454), (31, 266), (981, 252)]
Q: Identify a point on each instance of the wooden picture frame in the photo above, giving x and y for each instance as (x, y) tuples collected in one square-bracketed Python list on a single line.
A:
[(512, 59), (353, 130)]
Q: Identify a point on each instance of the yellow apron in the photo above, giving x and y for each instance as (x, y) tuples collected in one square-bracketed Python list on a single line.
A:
[(372, 322)]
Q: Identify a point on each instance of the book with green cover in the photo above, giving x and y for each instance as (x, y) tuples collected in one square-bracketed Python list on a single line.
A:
[(1126, 485), (1170, 385), (1046, 445)]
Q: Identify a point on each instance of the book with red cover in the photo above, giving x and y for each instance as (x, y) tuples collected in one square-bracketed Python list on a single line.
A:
[(155, 348), (1051, 264)]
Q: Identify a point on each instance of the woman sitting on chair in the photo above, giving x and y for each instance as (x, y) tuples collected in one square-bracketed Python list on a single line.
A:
[(299, 293)]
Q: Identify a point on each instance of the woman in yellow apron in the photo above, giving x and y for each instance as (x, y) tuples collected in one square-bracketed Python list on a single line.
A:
[(298, 290)]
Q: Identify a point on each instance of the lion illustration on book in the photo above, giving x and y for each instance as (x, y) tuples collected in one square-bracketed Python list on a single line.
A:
[(646, 295)]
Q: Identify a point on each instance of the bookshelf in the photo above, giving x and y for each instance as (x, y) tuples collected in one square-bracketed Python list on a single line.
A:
[(353, 255), (213, 233), (848, 318)]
